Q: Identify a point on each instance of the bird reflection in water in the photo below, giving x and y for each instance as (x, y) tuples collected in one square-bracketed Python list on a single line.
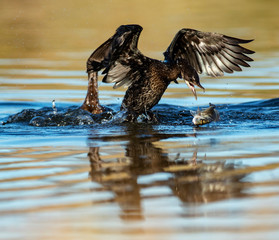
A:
[(192, 180)]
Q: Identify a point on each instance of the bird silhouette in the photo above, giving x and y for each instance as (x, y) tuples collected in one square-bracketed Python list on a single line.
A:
[(191, 52)]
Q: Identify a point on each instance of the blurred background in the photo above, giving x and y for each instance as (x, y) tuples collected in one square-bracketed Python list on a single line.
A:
[(44, 45), (50, 28)]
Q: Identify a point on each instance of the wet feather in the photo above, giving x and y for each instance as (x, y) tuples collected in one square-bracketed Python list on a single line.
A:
[(191, 52)]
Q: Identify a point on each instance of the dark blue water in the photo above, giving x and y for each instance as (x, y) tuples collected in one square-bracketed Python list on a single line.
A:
[(260, 114)]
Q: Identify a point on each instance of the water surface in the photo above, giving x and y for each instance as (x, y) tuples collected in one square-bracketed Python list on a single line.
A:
[(97, 179)]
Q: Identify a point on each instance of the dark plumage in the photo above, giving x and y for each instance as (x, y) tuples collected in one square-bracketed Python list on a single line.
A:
[(191, 52)]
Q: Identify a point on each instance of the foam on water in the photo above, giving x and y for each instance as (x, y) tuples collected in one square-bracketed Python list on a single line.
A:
[(263, 114)]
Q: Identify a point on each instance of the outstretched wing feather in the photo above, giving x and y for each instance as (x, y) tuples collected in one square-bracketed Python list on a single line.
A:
[(117, 55), (211, 53)]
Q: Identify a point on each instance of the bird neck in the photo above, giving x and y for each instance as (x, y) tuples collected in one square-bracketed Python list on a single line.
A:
[(173, 71)]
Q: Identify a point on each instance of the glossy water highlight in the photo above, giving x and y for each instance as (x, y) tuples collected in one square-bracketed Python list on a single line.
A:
[(77, 176), (170, 179), (73, 174)]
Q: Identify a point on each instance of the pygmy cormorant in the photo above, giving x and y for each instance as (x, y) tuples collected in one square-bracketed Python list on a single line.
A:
[(191, 52)]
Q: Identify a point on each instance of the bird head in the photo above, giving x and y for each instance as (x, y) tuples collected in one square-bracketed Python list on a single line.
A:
[(190, 76)]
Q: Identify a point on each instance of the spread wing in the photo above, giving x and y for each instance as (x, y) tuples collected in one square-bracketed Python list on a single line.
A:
[(210, 53), (119, 56)]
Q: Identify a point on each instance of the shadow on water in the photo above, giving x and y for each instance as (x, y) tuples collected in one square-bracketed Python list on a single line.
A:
[(147, 166)]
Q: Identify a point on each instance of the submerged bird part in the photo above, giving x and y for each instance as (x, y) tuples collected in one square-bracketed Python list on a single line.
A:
[(190, 53), (206, 116)]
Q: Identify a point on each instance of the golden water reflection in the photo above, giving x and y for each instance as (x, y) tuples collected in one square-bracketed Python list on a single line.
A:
[(191, 180), (139, 179)]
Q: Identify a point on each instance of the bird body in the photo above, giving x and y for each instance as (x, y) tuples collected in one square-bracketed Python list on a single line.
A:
[(147, 91), (190, 53)]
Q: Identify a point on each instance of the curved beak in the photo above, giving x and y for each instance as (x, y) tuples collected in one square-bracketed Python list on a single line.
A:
[(192, 87)]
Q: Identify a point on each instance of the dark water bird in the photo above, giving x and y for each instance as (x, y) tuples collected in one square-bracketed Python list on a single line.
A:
[(205, 116), (190, 53)]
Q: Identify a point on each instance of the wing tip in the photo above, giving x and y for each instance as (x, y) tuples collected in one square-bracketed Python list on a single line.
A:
[(235, 40)]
